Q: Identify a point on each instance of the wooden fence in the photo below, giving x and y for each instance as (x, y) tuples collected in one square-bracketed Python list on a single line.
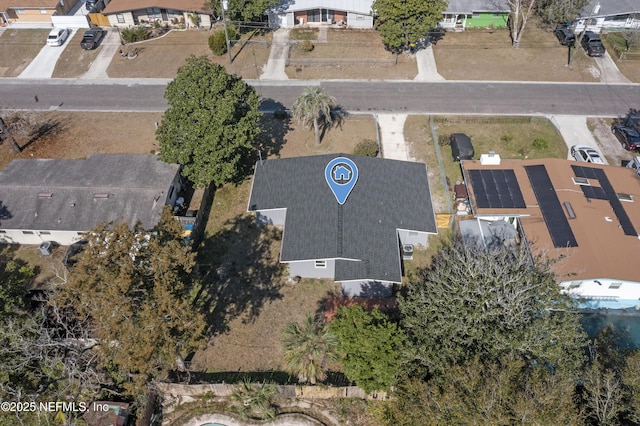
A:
[(99, 19)]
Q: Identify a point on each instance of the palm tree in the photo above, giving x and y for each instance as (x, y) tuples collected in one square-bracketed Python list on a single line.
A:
[(307, 349), (313, 107), (254, 401)]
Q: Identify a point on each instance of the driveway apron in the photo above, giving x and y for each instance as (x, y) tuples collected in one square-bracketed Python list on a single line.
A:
[(43, 64)]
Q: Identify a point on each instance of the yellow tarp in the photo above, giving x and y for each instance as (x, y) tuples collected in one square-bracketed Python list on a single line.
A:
[(443, 220)]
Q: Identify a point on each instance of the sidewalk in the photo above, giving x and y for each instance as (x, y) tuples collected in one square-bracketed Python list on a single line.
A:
[(274, 69)]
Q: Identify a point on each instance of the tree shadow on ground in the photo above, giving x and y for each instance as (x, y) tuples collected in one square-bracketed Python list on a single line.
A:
[(240, 272), (338, 116), (275, 126)]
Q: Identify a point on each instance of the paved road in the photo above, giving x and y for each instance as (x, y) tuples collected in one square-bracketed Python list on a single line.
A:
[(384, 97)]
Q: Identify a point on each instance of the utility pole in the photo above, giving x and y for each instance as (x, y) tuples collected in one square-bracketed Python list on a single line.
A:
[(224, 4)]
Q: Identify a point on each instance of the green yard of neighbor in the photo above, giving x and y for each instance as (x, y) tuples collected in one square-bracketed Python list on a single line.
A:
[(509, 137), (626, 54)]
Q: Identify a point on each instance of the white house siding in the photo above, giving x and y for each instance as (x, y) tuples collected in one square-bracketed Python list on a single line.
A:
[(415, 238), (604, 293), (128, 20), (612, 22), (357, 20), (367, 288), (13, 236), (271, 217), (308, 269)]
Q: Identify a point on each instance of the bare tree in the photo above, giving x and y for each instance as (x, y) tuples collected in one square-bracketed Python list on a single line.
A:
[(521, 11), (631, 39)]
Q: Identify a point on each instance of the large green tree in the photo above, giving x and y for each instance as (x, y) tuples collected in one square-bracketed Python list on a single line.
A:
[(368, 343), (132, 286), (482, 392), (308, 348), (473, 301), (313, 109), (211, 123), (559, 11), (401, 22)]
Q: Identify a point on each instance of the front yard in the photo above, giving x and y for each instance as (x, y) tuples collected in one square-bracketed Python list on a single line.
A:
[(627, 61), (346, 54), (484, 54), (161, 57), (18, 48), (75, 61)]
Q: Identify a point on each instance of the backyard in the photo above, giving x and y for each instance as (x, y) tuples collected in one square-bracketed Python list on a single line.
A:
[(346, 54), (18, 48)]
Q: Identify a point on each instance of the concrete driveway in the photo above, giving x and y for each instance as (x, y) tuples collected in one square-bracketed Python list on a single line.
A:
[(42, 65), (110, 45), (574, 131), (609, 72)]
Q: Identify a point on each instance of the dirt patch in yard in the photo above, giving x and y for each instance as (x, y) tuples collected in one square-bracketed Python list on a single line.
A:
[(75, 61), (18, 48), (161, 57), (608, 144), (79, 134), (488, 55), (348, 54)]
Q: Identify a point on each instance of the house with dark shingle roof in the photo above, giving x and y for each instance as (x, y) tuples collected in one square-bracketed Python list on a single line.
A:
[(59, 200), (608, 15), (358, 242)]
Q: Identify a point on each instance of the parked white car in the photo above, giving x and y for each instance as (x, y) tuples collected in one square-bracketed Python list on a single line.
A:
[(586, 154), (57, 36)]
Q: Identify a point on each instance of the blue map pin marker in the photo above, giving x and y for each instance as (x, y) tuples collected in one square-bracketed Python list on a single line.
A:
[(341, 175)]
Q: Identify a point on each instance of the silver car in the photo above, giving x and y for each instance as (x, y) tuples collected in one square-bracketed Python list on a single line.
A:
[(586, 154)]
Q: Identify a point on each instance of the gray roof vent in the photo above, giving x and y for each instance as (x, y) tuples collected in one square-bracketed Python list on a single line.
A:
[(101, 195), (45, 195)]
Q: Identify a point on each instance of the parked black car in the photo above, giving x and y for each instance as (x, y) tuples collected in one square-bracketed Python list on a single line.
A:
[(92, 38), (627, 130), (565, 35), (592, 44), (461, 147)]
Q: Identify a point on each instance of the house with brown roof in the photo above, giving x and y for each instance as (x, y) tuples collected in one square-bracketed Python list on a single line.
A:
[(585, 216), (33, 10), (129, 13)]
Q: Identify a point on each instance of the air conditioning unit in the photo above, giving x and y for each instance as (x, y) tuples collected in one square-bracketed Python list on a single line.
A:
[(407, 251)]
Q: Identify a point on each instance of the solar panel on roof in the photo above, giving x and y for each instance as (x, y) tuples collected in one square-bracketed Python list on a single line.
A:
[(605, 192), (496, 188), (594, 192), (552, 213)]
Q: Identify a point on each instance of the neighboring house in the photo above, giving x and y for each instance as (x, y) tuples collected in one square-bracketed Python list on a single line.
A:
[(14, 11), (351, 231), (352, 13), (461, 14), (585, 216), (59, 200), (608, 15), (128, 13)]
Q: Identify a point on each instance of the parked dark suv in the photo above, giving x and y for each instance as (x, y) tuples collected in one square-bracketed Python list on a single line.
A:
[(592, 44), (91, 38), (627, 130), (565, 35)]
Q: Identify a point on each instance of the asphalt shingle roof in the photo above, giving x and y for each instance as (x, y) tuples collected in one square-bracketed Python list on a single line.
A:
[(388, 195), (47, 194), (611, 7)]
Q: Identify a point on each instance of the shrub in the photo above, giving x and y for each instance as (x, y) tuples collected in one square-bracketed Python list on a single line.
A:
[(444, 140), (367, 147), (307, 46), (130, 35), (218, 41), (540, 144)]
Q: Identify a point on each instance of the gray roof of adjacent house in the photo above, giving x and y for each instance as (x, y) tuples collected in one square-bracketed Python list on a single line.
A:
[(357, 6), (610, 7), (469, 6), (388, 195), (76, 195)]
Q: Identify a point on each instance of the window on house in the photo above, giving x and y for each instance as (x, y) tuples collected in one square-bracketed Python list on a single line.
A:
[(580, 181), (19, 11), (27, 232), (321, 263), (3, 232), (413, 233), (120, 18), (43, 11), (171, 13), (615, 286), (625, 197), (575, 284), (45, 233), (153, 13)]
